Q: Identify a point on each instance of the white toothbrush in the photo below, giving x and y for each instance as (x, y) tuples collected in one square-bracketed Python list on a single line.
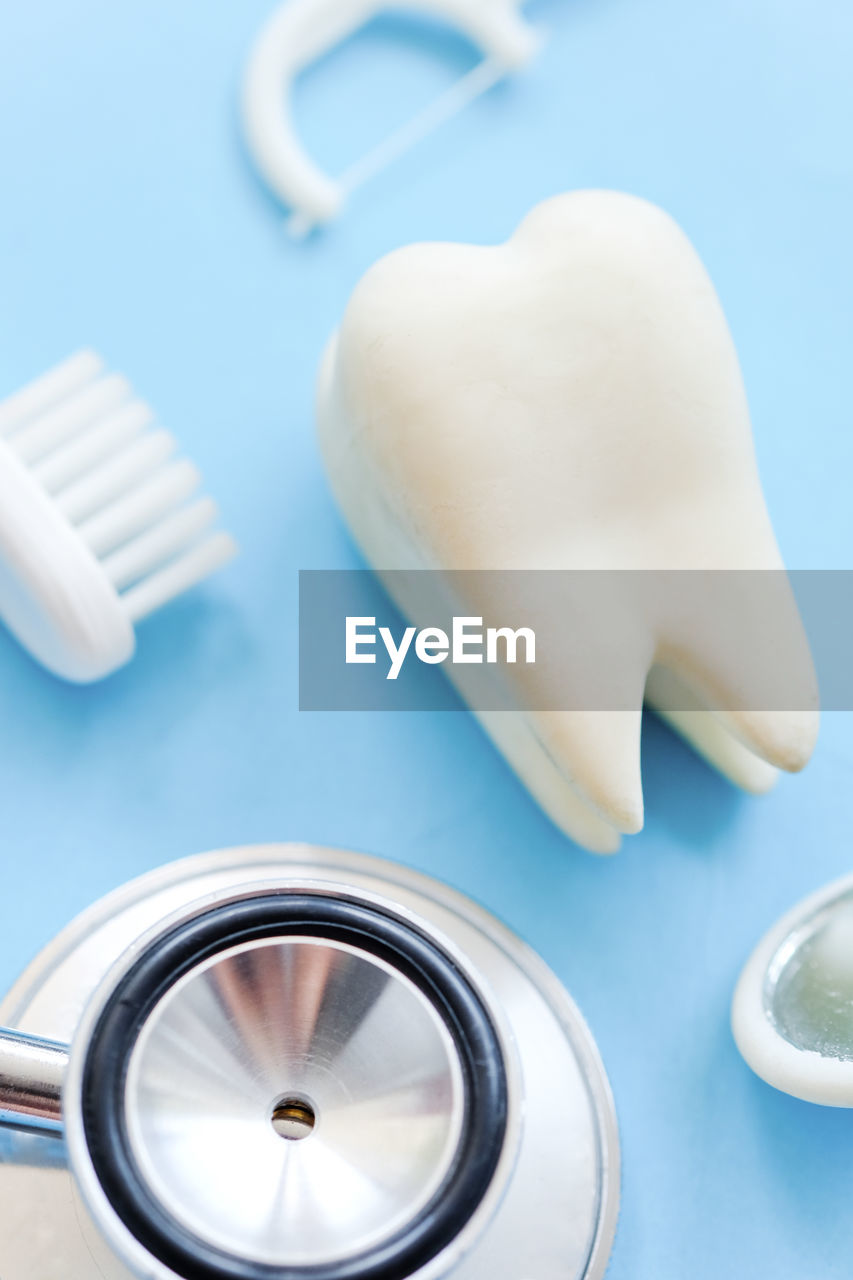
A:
[(96, 530)]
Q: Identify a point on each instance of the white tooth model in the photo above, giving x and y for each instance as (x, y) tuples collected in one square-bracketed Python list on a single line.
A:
[(572, 400)]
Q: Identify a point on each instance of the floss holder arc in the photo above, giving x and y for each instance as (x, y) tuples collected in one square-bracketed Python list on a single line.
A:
[(299, 32)]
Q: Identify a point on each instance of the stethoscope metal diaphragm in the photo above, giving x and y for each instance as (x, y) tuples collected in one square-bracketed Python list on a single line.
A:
[(291, 1063), (309, 1024)]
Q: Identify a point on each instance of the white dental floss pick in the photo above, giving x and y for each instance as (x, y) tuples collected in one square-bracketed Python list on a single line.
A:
[(95, 528), (301, 31)]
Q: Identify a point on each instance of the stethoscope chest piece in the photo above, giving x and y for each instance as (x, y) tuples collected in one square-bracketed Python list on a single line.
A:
[(291, 1063)]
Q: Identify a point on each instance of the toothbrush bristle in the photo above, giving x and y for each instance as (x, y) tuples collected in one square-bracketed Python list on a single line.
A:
[(93, 446), (94, 449), (118, 474), (50, 388), (141, 508), (64, 420), (178, 576), (157, 545)]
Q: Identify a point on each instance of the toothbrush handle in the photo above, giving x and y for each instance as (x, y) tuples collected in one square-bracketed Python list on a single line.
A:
[(32, 1072)]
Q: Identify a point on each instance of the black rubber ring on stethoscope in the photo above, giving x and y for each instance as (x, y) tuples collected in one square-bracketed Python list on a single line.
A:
[(391, 939)]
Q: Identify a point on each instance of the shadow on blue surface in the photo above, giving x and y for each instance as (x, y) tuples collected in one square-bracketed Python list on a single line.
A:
[(684, 796)]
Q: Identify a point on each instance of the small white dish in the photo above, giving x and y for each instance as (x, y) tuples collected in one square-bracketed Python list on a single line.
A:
[(792, 1014)]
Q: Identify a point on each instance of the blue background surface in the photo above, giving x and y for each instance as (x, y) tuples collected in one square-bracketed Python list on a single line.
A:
[(131, 220)]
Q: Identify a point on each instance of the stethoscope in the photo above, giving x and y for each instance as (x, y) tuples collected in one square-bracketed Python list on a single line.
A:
[(294, 1063)]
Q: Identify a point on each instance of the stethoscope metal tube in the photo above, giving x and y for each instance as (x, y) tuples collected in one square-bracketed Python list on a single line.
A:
[(32, 1072), (302, 1063)]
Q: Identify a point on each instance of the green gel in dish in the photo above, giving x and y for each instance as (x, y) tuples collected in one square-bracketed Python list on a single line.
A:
[(809, 985)]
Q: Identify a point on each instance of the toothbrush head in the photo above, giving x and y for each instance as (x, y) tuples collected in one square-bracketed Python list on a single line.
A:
[(96, 527)]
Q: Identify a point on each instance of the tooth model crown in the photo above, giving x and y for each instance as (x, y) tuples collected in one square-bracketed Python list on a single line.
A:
[(94, 530), (569, 400)]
